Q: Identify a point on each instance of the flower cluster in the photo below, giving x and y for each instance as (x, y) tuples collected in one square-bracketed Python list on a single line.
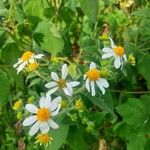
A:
[(42, 117)]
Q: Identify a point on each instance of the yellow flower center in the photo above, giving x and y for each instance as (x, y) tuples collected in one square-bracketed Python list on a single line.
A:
[(26, 56), (61, 83), (119, 50), (43, 114), (79, 105), (93, 74), (33, 66), (44, 138)]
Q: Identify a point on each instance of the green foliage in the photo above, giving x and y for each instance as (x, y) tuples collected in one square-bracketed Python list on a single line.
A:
[(67, 31)]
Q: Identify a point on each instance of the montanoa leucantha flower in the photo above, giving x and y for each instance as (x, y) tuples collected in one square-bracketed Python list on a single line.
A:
[(26, 59), (41, 118), (61, 83), (93, 76), (117, 52)]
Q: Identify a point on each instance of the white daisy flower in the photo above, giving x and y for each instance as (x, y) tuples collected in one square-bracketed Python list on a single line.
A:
[(61, 83), (26, 59), (92, 77), (117, 52), (42, 117)]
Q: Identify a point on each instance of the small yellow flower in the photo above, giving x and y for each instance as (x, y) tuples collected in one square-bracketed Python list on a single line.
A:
[(26, 56), (19, 115), (17, 104), (79, 105), (131, 59), (64, 104), (32, 66), (104, 37), (43, 139), (57, 59)]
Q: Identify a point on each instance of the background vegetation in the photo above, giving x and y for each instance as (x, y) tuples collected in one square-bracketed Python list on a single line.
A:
[(71, 29)]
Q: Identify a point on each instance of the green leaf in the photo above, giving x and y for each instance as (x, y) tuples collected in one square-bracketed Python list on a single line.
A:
[(33, 8), (10, 53), (59, 137), (48, 38), (142, 12), (35, 81), (137, 143), (4, 86), (76, 140), (132, 112), (90, 8), (143, 67)]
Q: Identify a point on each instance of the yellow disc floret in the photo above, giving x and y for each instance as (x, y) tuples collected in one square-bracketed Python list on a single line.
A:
[(119, 50), (33, 66), (61, 83), (44, 139), (43, 114), (93, 74), (26, 56)]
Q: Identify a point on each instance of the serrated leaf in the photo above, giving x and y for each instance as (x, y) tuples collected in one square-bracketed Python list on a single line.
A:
[(90, 8), (143, 67), (10, 53), (34, 82), (47, 40), (4, 87), (59, 137)]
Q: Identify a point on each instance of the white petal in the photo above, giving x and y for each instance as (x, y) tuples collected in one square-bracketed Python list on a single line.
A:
[(54, 76), (67, 92), (112, 43), (19, 62), (64, 71), (69, 87), (107, 55), (54, 113), (121, 60), (51, 91), (48, 97), (39, 56), (44, 127), (21, 67), (101, 87), (53, 124), (47, 103), (104, 82), (84, 76), (125, 57), (92, 88), (74, 83), (29, 120), (31, 108), (117, 62), (87, 84), (51, 84), (34, 129), (42, 102), (92, 65), (55, 103), (107, 50)]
